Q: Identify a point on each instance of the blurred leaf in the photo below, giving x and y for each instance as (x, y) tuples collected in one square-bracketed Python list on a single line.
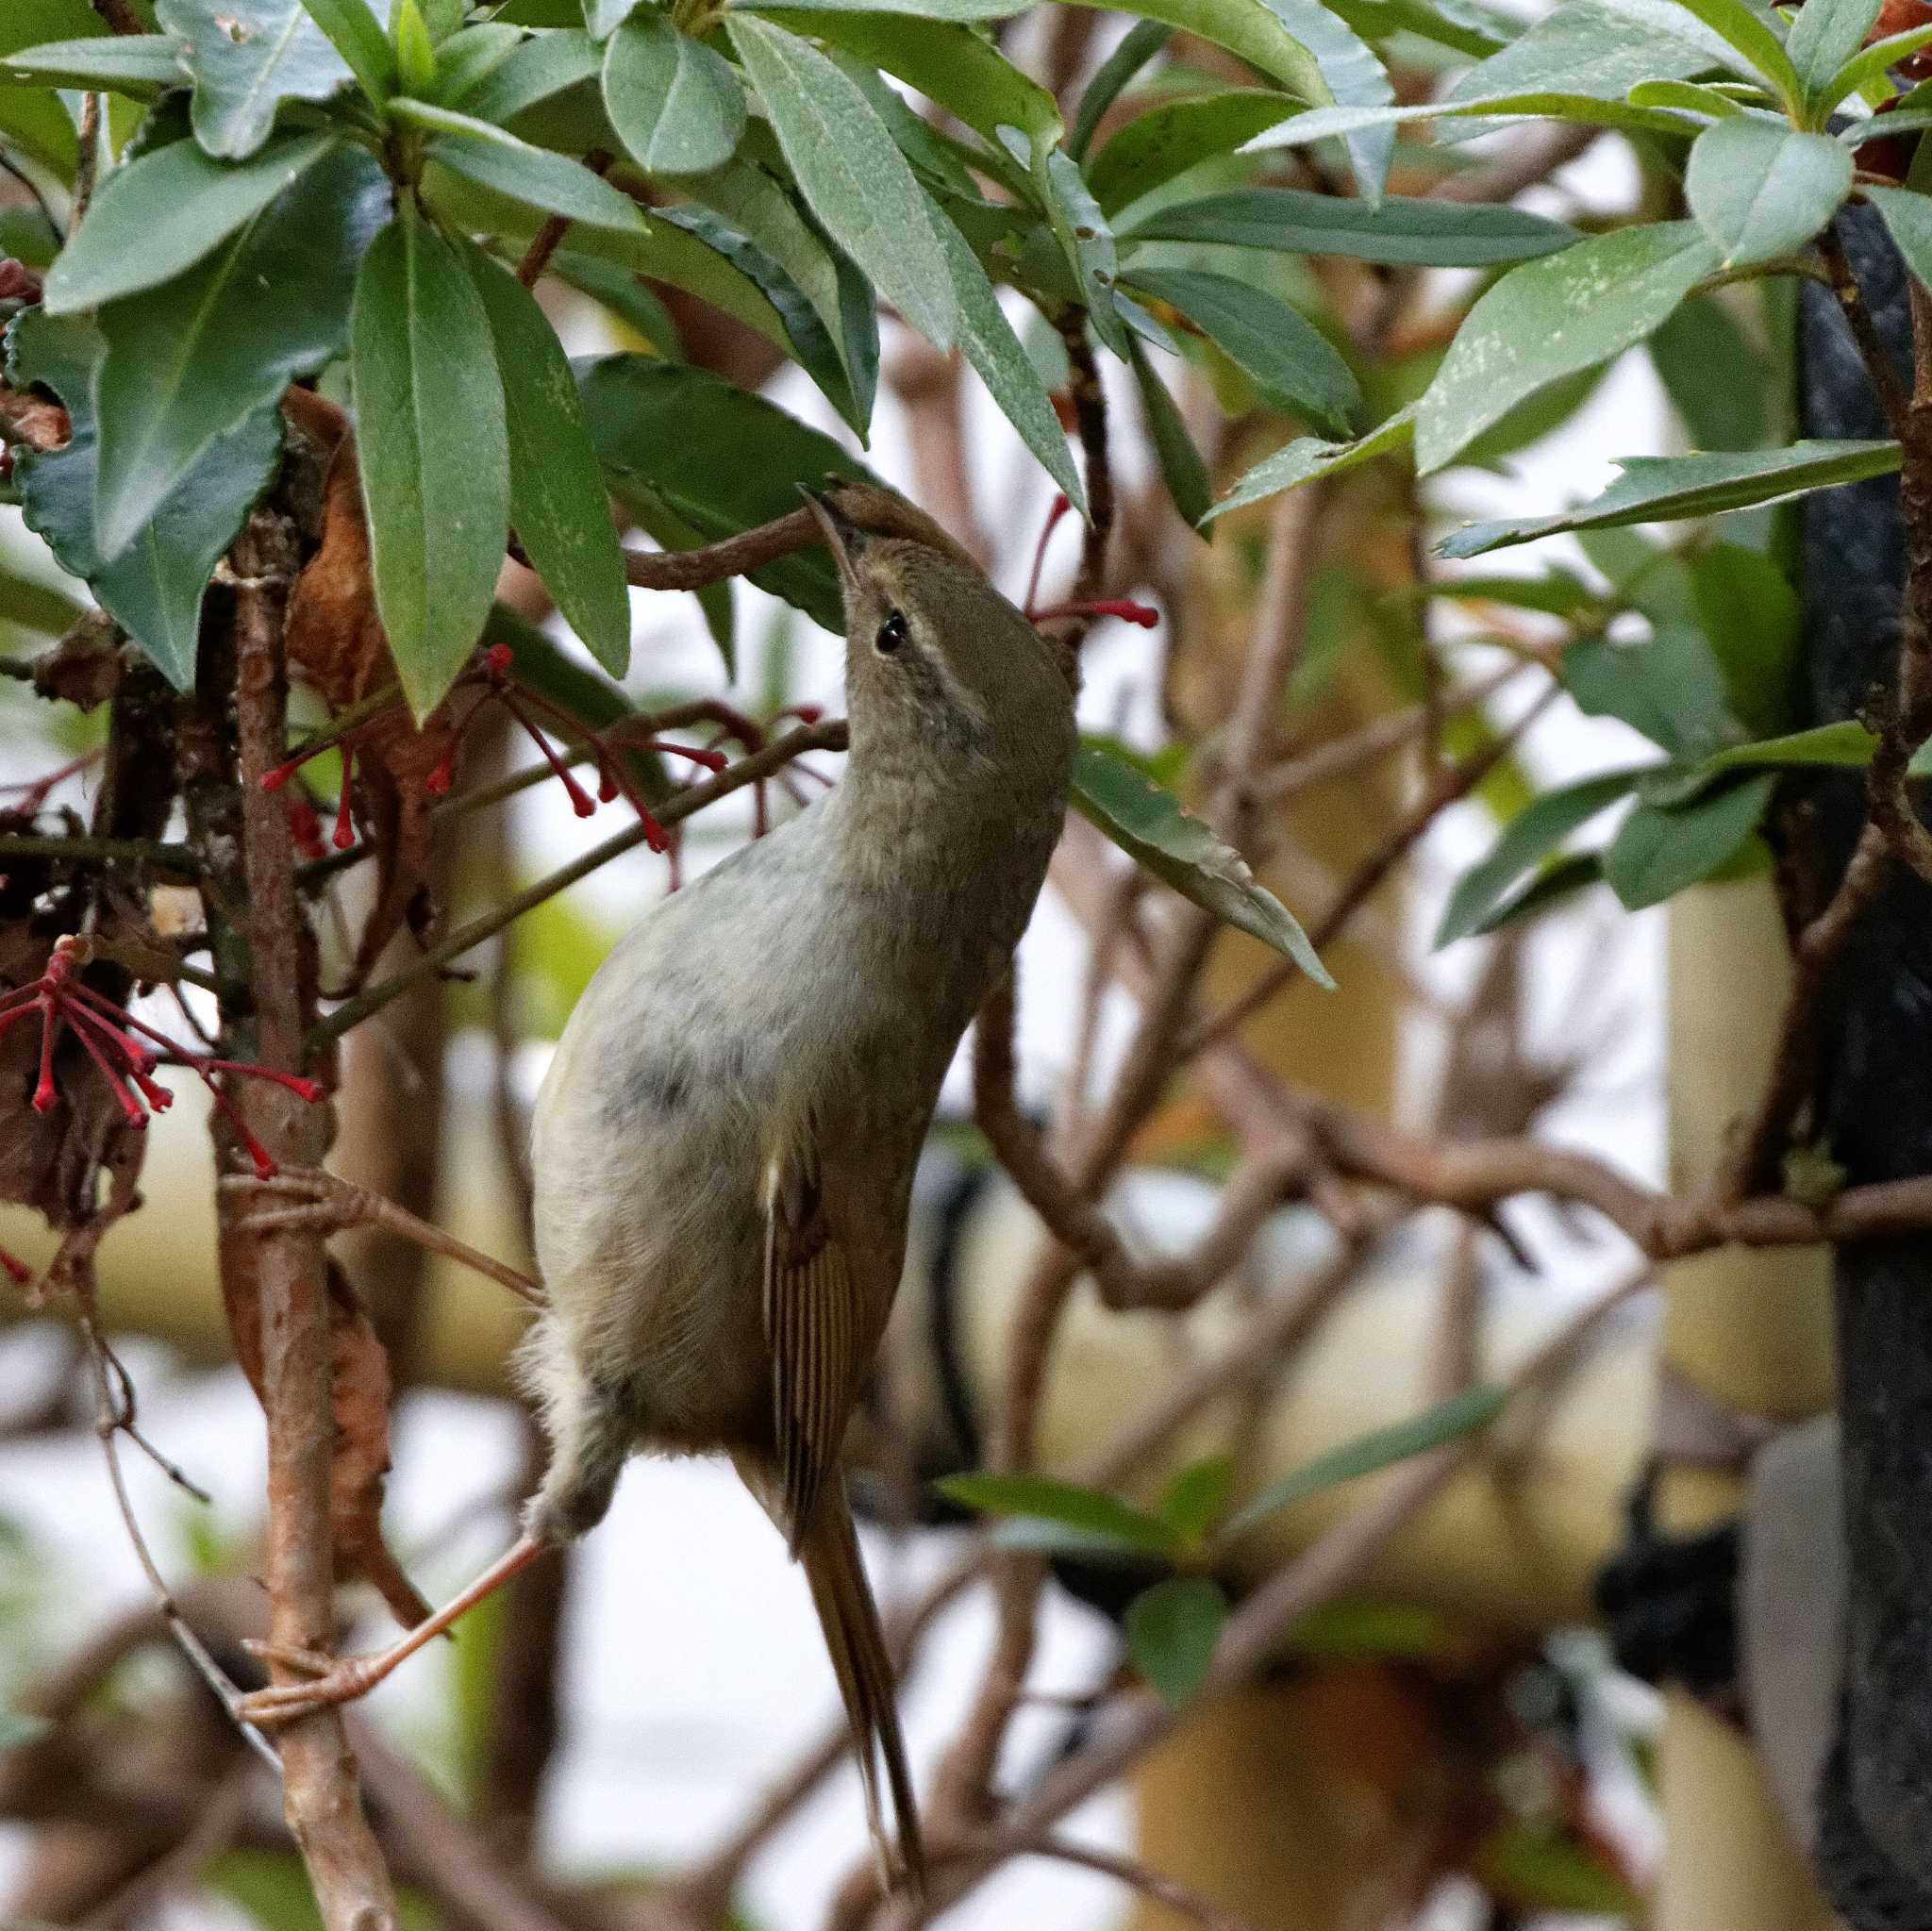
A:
[(922, 9), (553, 182), (1760, 190), (357, 35), (469, 58), (1552, 318), (557, 498), (1907, 215), (1357, 1626), (1591, 47), (1659, 850), (1822, 37), (675, 105), (625, 295), (1181, 468), (246, 57), (1149, 824), (1668, 688), (1560, 879), (186, 362), (663, 428), (415, 50), (1526, 842), (1193, 1500), (1714, 373), (1557, 593), (160, 214), (1172, 1632), (603, 17), (1535, 1868), (154, 589), (1395, 230), (852, 172), (17, 1728), (1290, 360), (1752, 619), (124, 62), (1668, 489), (1846, 744), (1174, 137), (670, 531), (1308, 457), (434, 450), (31, 604), (1094, 1515), (1140, 44), (1449, 1421)]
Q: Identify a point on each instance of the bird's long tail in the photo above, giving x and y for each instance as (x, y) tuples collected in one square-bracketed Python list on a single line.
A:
[(830, 1550)]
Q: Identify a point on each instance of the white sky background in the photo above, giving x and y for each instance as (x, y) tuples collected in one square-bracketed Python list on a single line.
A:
[(690, 1685)]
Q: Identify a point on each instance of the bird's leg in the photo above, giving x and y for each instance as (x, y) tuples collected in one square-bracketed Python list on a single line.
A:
[(346, 1680), (322, 1203)]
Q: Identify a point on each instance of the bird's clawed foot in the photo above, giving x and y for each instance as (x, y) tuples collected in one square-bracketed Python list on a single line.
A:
[(334, 1681)]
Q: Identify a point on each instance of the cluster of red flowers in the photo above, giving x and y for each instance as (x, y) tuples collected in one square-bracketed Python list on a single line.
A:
[(108, 1034)]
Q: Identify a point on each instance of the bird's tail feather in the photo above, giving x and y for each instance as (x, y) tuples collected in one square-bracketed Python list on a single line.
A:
[(830, 1550)]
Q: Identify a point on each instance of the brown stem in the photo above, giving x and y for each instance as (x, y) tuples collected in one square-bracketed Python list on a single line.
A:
[(543, 244)]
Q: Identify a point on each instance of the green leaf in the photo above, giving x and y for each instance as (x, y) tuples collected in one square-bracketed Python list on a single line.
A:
[(1664, 488), (1193, 1500), (1397, 230), (987, 340), (1096, 1517), (246, 57), (603, 17), (1908, 217), (1328, 123), (357, 35), (1845, 745), (484, 153), (1754, 622), (470, 57), (1289, 358), (675, 104), (1760, 190), (1173, 1630), (1141, 43), (1174, 137), (556, 499), (186, 362), (540, 68), (1758, 35), (1870, 64), (670, 532), (434, 450), (29, 604), (1587, 47), (415, 50), (154, 589), (1659, 850), (1259, 33), (161, 213), (1526, 842), (719, 458), (852, 172), (1309, 457), (1715, 375), (1181, 467), (1822, 37), (1086, 241), (624, 294), (968, 11), (1448, 1420), (129, 63), (1552, 318), (1149, 824), (1668, 688)]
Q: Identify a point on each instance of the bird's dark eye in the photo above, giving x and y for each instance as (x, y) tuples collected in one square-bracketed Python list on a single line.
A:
[(892, 633)]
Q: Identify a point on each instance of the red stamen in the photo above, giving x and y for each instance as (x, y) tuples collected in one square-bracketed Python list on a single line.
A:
[(16, 1270), (344, 834), (580, 799), (303, 1088), (130, 1107), (711, 761), (305, 829), (1055, 509), (45, 1097), (1125, 607)]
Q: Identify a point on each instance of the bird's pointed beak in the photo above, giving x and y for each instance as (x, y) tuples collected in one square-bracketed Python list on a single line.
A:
[(844, 537)]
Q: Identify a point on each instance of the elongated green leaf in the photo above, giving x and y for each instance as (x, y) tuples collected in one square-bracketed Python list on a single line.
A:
[(1824, 37), (1908, 217), (1173, 137), (1666, 489), (1752, 617), (1845, 745), (945, 61), (1173, 1630), (556, 496), (118, 61), (620, 291), (1141, 43), (162, 214), (1309, 457), (675, 105), (486, 154), (434, 450), (1869, 65), (1694, 97), (29, 604), (1669, 686), (1587, 110), (987, 340), (186, 362), (1528, 839), (246, 57), (603, 17), (1149, 824), (1758, 34), (470, 57), (1181, 468), (1086, 241), (357, 35), (1403, 232), (154, 591), (1589, 47), (35, 122), (1351, 77), (1259, 33), (1552, 318), (719, 458), (968, 11), (852, 172), (1449, 1421), (1761, 190), (1092, 1513), (1659, 851), (1291, 362), (542, 67), (1715, 374), (1193, 1500)]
